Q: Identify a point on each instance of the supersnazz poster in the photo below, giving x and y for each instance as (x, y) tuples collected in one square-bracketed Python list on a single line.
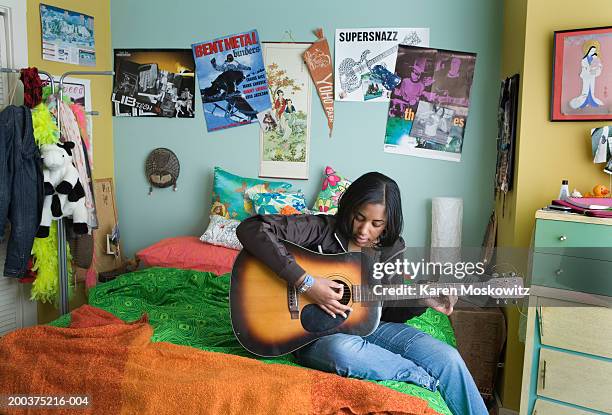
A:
[(365, 61), (154, 83), (232, 79), (428, 109)]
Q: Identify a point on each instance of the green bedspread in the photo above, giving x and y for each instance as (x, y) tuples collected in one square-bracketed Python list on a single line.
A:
[(191, 308)]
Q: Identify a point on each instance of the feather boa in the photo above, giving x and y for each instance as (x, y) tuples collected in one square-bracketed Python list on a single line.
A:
[(45, 287), (45, 128)]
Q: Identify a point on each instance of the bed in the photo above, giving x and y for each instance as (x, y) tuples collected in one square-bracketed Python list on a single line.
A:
[(176, 318)]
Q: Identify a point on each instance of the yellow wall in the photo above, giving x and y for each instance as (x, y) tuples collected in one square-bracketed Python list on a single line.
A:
[(552, 151), (101, 87), (547, 151)]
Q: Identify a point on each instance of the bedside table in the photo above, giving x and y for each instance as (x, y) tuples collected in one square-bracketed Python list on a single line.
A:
[(568, 349)]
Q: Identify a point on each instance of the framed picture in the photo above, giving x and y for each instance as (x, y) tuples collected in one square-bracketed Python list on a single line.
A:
[(582, 75)]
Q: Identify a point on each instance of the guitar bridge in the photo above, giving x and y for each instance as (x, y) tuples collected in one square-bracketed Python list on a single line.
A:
[(292, 302)]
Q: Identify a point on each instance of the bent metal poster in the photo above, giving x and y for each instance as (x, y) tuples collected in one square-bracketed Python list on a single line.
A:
[(232, 79)]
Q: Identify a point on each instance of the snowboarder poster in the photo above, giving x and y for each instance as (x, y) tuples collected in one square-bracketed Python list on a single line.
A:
[(232, 79)]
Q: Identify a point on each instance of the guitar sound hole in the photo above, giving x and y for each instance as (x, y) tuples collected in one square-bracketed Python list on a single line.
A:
[(346, 292)]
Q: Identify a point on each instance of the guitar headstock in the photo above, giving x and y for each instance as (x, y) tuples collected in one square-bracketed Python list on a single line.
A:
[(506, 287)]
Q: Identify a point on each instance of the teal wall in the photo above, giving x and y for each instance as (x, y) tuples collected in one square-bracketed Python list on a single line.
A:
[(356, 146)]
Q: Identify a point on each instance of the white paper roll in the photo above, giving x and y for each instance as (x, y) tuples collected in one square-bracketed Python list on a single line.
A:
[(446, 224)]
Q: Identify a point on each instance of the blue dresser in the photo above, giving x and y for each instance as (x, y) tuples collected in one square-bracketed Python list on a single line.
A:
[(568, 349)]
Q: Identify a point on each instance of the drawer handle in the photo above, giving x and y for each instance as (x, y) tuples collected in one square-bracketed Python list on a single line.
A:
[(563, 238), (544, 375), (539, 317), (559, 271)]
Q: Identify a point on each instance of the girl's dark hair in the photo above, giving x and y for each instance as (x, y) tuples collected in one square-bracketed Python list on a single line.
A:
[(372, 188)]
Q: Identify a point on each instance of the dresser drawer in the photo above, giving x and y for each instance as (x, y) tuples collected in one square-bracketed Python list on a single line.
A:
[(585, 240), (543, 407), (575, 379), (571, 273), (574, 327)]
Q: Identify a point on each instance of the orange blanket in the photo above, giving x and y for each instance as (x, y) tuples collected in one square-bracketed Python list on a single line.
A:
[(122, 372)]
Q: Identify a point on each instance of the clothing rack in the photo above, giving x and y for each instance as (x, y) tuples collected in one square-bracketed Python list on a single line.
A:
[(47, 74), (61, 230)]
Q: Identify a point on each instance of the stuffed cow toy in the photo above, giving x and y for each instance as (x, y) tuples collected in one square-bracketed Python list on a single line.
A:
[(64, 193)]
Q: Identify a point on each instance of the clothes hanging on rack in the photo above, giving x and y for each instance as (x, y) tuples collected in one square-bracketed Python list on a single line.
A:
[(70, 132), (21, 186), (81, 118), (32, 87), (45, 286)]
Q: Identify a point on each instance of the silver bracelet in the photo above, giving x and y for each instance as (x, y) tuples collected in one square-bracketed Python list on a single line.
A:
[(306, 284)]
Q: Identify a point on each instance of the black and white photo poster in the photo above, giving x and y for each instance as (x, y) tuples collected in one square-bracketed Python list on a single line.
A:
[(154, 83)]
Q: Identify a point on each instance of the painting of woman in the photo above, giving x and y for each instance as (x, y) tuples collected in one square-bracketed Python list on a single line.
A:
[(590, 68)]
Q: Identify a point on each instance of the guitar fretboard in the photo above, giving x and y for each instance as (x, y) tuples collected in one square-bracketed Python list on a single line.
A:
[(382, 55)]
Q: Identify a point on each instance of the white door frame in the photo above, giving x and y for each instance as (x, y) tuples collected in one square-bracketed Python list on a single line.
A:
[(17, 35)]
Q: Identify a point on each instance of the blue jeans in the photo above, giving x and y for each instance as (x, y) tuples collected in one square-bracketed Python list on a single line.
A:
[(399, 352)]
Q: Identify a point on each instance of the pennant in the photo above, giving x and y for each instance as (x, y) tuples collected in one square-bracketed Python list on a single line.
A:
[(319, 62)]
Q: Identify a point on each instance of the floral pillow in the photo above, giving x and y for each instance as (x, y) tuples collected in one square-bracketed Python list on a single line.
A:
[(279, 203), (333, 187), (228, 197), (222, 232)]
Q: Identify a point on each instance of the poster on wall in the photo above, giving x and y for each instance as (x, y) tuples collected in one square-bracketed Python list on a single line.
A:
[(232, 80), (365, 61), (154, 83), (78, 89), (428, 109), (582, 75), (285, 138), (67, 36)]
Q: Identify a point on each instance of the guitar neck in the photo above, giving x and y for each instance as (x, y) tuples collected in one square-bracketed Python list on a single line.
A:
[(382, 56)]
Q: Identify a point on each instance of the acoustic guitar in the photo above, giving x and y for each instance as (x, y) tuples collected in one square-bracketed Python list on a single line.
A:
[(270, 319)]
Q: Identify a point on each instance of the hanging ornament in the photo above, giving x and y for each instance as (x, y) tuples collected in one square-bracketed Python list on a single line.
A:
[(162, 169)]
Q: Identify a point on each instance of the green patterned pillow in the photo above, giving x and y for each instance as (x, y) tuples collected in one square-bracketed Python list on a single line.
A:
[(436, 324), (228, 197), (279, 203), (333, 187)]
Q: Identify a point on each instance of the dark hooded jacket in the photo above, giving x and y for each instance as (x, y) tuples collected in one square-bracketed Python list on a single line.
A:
[(261, 236)]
